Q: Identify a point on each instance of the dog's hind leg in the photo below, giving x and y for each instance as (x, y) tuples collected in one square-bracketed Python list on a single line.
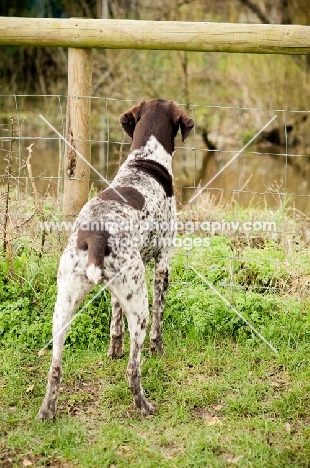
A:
[(73, 285), (116, 348)]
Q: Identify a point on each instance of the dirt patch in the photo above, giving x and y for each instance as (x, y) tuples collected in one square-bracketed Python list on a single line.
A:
[(210, 416), (79, 397)]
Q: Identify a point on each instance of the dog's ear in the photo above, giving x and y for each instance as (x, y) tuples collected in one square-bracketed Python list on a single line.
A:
[(130, 118), (182, 120)]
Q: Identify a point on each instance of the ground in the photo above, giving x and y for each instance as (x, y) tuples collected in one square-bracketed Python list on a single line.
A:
[(224, 397)]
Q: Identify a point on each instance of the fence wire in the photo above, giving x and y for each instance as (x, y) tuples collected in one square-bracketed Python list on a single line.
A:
[(267, 183)]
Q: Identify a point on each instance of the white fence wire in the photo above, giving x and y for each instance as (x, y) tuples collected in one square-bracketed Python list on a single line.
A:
[(267, 182)]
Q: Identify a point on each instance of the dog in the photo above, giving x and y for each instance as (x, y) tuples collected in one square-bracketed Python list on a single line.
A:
[(115, 235)]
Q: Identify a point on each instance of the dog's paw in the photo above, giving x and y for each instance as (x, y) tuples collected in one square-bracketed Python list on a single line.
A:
[(147, 408), (44, 414)]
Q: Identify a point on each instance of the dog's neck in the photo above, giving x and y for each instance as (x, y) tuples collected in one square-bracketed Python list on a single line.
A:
[(157, 126), (152, 150)]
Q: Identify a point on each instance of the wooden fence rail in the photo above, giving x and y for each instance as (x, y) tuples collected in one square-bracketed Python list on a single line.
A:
[(168, 35)]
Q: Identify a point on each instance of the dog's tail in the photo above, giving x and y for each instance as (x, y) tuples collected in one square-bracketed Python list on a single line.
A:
[(97, 245), (94, 273)]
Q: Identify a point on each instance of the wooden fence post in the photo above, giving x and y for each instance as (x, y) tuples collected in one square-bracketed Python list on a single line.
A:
[(78, 132)]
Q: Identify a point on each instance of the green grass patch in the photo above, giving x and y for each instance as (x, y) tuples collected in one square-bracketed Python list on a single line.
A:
[(225, 399), (220, 404)]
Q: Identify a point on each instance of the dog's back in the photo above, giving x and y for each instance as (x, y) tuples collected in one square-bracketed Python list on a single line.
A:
[(138, 209)]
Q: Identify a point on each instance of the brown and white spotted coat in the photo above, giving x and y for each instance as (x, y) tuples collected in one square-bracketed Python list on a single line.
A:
[(97, 256)]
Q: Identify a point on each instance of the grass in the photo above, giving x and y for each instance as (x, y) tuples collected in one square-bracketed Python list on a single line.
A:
[(224, 398), (220, 404)]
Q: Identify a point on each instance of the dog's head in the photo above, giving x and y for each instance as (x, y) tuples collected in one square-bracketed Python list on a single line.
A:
[(159, 118)]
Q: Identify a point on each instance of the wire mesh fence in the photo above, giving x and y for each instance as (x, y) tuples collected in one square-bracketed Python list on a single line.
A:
[(260, 200)]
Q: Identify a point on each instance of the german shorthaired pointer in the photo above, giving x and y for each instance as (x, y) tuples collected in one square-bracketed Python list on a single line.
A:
[(115, 234)]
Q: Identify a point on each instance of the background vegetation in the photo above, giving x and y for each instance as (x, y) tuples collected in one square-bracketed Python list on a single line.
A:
[(186, 77), (244, 89)]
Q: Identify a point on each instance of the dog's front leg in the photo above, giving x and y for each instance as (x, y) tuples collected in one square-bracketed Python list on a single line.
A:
[(116, 348), (131, 291)]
